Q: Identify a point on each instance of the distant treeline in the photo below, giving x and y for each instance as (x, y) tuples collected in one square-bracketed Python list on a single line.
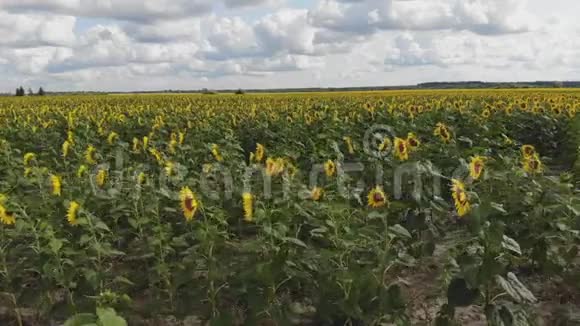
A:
[(478, 84), (431, 85)]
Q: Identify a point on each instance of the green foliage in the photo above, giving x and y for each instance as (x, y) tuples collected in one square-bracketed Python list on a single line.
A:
[(103, 317), (295, 258)]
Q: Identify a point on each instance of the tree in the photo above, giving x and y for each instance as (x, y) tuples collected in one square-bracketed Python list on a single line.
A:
[(30, 92), (20, 91), (41, 92)]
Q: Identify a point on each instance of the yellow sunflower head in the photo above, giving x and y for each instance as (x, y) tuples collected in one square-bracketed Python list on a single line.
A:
[(385, 145), (29, 157), (207, 168), (316, 193), (377, 198), (90, 155), (171, 147), (56, 183), (528, 151), (290, 168), (413, 141), (248, 205), (72, 212), (112, 138), (443, 132), (274, 166), (189, 203), (401, 149), (70, 137), (215, 151), (101, 178), (169, 168), (329, 168), (81, 170), (533, 164), (136, 145), (486, 113), (460, 198), (141, 178), (507, 140), (476, 167), (349, 145), (260, 152), (65, 148), (6, 217)]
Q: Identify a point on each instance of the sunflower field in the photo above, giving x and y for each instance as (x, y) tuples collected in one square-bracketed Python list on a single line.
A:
[(375, 208)]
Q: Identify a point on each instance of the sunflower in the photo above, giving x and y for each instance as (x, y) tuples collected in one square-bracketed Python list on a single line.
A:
[(413, 141), (329, 168), (532, 164), (65, 148), (136, 145), (401, 149), (101, 178), (215, 151), (157, 155), (169, 168), (290, 168), (90, 155), (70, 137), (6, 217), (571, 111), (507, 140), (259, 154), (460, 198), (528, 151), (112, 138), (171, 147), (189, 203), (274, 166), (248, 203), (29, 157), (72, 212), (377, 198), (181, 137), (141, 178), (145, 142), (56, 183), (316, 193), (385, 145), (81, 171), (369, 107), (442, 131), (486, 113), (476, 167), (349, 146), (207, 168)]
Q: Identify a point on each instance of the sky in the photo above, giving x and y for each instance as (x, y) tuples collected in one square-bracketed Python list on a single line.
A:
[(129, 45)]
